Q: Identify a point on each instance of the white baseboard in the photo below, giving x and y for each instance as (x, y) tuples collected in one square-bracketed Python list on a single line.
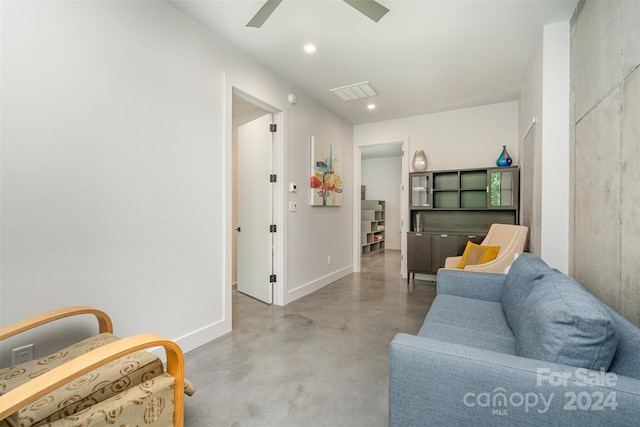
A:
[(197, 338), (215, 330), (307, 288)]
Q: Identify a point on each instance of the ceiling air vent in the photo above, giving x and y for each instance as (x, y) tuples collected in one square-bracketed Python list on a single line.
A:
[(355, 91)]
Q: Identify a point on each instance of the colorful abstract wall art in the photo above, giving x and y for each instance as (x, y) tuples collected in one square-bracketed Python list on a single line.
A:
[(326, 174)]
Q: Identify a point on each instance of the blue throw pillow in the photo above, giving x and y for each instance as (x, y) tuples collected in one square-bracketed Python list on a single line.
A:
[(553, 318)]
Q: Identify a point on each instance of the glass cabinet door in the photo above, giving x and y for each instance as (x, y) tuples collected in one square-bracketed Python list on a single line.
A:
[(420, 196), (503, 188)]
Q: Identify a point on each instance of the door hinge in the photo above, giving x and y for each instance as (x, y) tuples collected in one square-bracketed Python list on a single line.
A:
[(273, 228), (273, 128), (273, 178), (272, 278)]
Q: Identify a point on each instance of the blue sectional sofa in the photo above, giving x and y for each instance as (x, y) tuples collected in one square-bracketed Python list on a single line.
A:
[(531, 347)]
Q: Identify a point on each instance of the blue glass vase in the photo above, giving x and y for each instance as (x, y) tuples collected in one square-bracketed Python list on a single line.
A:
[(505, 158)]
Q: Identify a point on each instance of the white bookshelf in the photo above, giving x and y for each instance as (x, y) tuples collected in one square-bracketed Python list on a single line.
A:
[(372, 227)]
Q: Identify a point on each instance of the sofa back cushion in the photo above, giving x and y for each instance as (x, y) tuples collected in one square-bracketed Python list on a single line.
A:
[(525, 270), (553, 318), (627, 358)]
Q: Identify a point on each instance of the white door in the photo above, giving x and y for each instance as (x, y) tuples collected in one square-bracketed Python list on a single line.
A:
[(254, 252)]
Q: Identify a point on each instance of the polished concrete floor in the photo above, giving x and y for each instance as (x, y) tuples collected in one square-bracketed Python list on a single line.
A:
[(322, 360)]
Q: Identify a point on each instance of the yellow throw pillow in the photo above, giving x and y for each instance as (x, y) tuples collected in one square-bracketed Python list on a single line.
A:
[(476, 254)]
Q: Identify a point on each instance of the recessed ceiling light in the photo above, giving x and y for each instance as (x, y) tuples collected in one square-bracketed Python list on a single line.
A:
[(309, 48), (371, 106)]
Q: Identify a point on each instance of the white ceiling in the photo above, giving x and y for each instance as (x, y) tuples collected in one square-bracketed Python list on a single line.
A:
[(423, 56)]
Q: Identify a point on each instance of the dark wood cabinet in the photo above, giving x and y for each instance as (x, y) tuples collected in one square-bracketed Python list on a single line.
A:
[(443, 246), (426, 252), (502, 188), (462, 241), (449, 208), (492, 188), (419, 252), (421, 190)]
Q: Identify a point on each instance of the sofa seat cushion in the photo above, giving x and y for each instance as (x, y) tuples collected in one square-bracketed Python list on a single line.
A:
[(468, 321), (553, 318)]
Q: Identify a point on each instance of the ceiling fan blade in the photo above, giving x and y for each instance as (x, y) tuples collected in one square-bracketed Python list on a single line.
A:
[(265, 11), (371, 8)]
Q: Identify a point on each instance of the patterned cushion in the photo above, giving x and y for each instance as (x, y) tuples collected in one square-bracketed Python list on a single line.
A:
[(475, 254), (96, 386), (147, 404)]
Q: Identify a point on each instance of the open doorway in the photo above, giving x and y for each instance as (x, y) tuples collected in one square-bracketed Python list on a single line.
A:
[(382, 171), (253, 199)]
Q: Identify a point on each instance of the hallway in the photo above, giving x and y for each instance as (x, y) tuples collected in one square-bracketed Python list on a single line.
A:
[(322, 360)]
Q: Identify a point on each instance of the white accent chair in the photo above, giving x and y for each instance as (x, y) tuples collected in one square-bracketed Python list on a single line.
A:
[(510, 238)]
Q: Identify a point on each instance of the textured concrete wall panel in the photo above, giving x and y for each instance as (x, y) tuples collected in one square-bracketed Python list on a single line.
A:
[(631, 15), (598, 53), (606, 151), (597, 200), (630, 197)]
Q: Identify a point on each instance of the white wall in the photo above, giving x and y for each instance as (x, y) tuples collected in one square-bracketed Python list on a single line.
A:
[(314, 233), (555, 148), (531, 151), (545, 96), (383, 178), (115, 172), (466, 138)]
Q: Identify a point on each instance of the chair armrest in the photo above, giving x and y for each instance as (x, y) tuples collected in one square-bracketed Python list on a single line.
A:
[(41, 385), (497, 265), (463, 283), (104, 321), (438, 383), (452, 261)]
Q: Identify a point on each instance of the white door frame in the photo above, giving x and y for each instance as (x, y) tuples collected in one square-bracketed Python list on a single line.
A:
[(404, 210), (231, 88)]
